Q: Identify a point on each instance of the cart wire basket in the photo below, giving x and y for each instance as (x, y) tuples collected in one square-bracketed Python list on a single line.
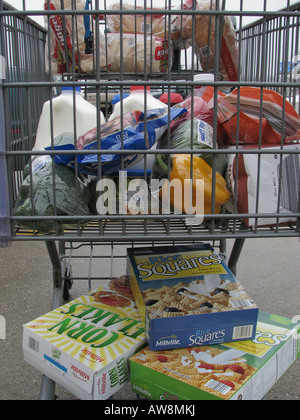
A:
[(217, 159)]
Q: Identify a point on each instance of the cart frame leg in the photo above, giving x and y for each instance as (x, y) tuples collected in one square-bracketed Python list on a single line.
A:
[(48, 386), (235, 254), (57, 273)]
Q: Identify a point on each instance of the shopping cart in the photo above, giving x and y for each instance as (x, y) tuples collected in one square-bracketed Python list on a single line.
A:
[(91, 51)]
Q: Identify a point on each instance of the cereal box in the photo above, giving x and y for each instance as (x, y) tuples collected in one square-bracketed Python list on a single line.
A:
[(243, 370), (188, 297), (85, 345)]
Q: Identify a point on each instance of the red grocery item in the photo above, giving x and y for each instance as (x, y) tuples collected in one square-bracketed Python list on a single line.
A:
[(262, 113), (173, 98)]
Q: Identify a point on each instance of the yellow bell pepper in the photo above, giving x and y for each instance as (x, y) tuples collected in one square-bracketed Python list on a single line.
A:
[(181, 170)]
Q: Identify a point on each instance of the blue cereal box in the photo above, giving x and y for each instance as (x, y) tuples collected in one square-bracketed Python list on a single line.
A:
[(188, 297)]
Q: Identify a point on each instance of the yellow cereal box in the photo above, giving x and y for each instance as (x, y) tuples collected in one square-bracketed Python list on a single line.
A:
[(85, 345), (243, 370)]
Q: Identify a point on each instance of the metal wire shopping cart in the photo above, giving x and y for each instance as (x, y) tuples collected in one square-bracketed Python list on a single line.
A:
[(106, 49)]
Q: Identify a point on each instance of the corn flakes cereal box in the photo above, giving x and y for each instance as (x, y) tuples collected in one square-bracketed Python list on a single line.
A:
[(244, 370), (85, 345), (188, 297)]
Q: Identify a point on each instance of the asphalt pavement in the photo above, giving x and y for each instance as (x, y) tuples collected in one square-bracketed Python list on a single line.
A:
[(268, 268)]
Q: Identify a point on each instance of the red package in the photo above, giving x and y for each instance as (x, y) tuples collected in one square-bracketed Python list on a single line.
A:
[(262, 113)]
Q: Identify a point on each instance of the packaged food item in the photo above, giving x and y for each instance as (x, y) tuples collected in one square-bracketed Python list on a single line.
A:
[(244, 370), (155, 24), (172, 98), (61, 110), (183, 167), (254, 102), (205, 39), (275, 192), (187, 297), (196, 108), (138, 100), (135, 50), (74, 195), (62, 33), (84, 345), (200, 105), (126, 134)]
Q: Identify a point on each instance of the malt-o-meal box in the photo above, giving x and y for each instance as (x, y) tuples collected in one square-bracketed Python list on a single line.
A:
[(188, 297), (243, 370), (85, 345)]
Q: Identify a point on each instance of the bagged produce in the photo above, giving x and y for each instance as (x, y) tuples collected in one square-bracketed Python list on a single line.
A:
[(67, 195), (275, 113), (191, 134), (205, 40), (200, 105), (182, 167), (200, 108), (276, 190)]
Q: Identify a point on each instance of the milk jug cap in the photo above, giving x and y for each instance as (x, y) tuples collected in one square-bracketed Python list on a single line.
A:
[(135, 88), (71, 89)]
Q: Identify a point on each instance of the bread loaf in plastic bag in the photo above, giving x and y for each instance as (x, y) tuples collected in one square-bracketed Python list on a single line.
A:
[(205, 39)]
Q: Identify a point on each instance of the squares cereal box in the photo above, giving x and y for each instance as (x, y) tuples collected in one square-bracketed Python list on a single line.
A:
[(188, 297), (85, 345), (244, 370)]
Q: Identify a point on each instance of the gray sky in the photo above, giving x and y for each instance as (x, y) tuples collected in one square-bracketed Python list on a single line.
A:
[(250, 5)]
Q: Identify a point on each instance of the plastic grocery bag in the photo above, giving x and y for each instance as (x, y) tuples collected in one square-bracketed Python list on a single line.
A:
[(155, 25), (135, 53), (189, 134), (62, 36), (276, 114), (203, 26), (276, 190), (134, 131), (51, 189)]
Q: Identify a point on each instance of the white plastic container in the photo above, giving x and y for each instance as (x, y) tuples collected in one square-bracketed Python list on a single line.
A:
[(200, 78), (63, 117), (136, 102)]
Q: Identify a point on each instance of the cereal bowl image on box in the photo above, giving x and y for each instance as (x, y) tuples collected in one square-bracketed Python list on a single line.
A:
[(187, 297)]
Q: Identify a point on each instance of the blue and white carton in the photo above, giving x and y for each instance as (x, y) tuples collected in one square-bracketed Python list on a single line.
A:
[(187, 297)]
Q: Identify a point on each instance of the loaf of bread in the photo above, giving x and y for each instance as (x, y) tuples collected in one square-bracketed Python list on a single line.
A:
[(127, 54), (64, 47), (205, 40), (150, 25)]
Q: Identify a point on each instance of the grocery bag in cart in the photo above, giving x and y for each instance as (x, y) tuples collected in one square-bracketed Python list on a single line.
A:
[(133, 131), (78, 43), (69, 42), (267, 184)]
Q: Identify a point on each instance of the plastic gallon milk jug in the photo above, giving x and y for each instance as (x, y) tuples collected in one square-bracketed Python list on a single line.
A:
[(136, 102), (63, 117)]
